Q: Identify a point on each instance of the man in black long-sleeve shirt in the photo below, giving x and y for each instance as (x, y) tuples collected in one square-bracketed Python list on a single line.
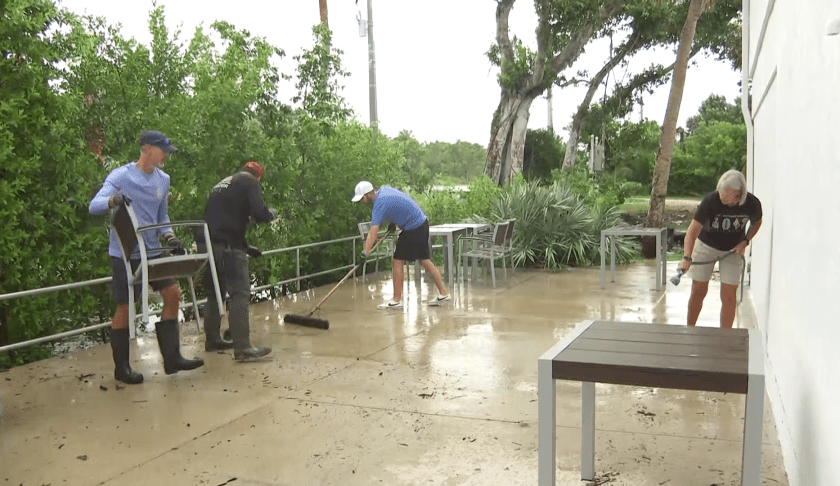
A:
[(232, 203)]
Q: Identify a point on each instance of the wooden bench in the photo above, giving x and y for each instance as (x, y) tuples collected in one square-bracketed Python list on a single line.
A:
[(652, 355)]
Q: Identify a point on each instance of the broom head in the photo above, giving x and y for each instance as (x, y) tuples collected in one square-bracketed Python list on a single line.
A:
[(307, 321)]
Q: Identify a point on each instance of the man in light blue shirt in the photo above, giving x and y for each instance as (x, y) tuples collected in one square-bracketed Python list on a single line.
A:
[(144, 186), (397, 207)]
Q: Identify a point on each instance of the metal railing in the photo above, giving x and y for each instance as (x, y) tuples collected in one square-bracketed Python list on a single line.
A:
[(298, 278)]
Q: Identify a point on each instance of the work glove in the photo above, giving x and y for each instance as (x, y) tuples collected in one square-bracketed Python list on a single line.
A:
[(175, 246), (364, 255), (253, 251), (121, 199)]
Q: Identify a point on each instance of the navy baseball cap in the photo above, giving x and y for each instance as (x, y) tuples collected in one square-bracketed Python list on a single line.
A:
[(157, 139)]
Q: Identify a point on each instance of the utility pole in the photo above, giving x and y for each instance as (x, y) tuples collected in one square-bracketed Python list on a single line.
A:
[(374, 123), (324, 20), (366, 30)]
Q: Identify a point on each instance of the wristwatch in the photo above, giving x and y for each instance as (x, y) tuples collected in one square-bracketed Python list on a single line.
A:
[(687, 258)]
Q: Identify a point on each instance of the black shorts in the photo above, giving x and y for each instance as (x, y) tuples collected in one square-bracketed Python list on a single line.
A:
[(414, 244), (119, 282)]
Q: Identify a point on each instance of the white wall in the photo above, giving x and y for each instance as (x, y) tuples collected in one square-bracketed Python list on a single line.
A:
[(795, 280)]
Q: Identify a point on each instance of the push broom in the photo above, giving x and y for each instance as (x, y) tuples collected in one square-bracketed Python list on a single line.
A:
[(307, 319)]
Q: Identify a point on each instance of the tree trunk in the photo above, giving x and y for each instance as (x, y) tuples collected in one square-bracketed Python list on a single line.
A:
[(662, 168), (506, 152)]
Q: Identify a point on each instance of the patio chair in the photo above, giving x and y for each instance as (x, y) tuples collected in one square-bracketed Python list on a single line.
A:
[(384, 250), (487, 249), (507, 248), (129, 233)]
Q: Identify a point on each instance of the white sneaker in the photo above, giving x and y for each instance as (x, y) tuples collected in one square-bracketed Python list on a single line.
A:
[(391, 305), (440, 299)]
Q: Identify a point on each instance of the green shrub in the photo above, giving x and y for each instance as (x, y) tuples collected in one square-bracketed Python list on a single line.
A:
[(452, 206), (555, 227)]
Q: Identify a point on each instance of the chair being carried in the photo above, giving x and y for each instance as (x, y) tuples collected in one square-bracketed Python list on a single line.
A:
[(129, 233)]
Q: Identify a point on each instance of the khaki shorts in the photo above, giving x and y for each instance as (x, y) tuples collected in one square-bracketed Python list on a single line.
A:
[(730, 264)]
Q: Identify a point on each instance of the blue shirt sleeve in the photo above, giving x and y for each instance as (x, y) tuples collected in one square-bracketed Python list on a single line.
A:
[(378, 214), (163, 210), (99, 203)]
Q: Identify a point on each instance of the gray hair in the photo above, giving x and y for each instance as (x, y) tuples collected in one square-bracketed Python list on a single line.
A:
[(733, 179)]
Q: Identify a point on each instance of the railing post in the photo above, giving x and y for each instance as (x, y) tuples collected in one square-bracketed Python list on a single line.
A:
[(297, 268)]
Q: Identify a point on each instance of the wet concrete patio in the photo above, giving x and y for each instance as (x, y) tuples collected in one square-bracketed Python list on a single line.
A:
[(425, 395)]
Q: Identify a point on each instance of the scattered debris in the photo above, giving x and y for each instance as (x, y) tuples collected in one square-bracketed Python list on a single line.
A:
[(82, 458), (103, 387), (426, 395), (605, 478), (227, 482), (84, 377)]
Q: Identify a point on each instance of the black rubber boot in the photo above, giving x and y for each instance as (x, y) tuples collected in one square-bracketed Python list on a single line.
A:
[(240, 330), (170, 348), (120, 348), (212, 328), (250, 352)]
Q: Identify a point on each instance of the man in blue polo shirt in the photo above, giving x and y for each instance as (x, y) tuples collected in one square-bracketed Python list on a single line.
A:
[(392, 205), (144, 186)]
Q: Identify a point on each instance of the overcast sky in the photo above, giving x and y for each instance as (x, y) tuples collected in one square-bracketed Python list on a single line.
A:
[(432, 75)]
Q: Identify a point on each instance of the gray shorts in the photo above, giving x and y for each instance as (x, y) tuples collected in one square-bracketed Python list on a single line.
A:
[(730, 264)]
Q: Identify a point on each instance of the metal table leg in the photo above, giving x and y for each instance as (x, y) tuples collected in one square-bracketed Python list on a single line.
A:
[(547, 424), (587, 431)]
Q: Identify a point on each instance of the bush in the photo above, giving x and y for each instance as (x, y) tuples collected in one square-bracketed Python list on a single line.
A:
[(555, 227), (453, 206)]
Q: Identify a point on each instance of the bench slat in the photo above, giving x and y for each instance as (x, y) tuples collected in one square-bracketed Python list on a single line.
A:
[(690, 373), (711, 341), (661, 349)]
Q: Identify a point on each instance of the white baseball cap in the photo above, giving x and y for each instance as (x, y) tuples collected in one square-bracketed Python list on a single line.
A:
[(362, 188)]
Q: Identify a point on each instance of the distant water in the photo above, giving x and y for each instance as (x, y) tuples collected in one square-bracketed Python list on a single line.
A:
[(451, 188)]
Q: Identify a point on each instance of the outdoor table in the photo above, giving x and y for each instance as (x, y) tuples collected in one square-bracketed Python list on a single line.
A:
[(651, 355), (661, 254), (450, 232), (473, 229)]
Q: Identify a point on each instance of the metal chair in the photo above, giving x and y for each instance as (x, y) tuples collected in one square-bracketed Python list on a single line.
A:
[(129, 233), (508, 246), (488, 249), (384, 250)]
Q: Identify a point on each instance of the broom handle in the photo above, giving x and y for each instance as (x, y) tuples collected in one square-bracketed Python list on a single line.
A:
[(346, 277)]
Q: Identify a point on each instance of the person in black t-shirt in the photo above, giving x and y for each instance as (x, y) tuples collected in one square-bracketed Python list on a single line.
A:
[(718, 233), (232, 203)]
